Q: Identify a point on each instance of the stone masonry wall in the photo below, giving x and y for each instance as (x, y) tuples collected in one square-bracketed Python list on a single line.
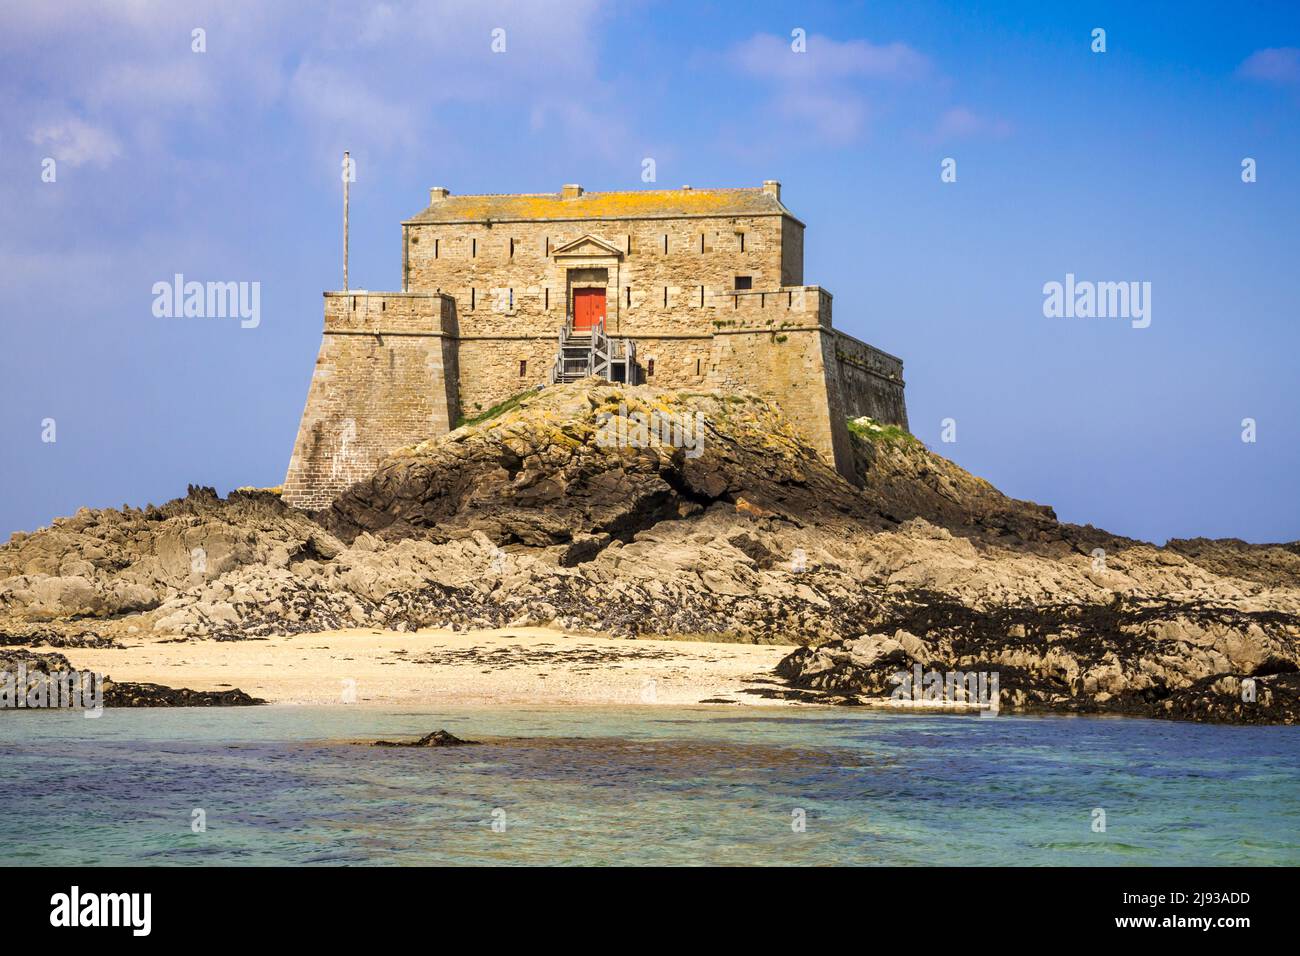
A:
[(818, 375), (870, 381), (506, 279), (490, 369), (668, 284), (385, 377), (790, 368)]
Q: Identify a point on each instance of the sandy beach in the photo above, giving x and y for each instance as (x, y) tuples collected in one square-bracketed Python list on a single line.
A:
[(491, 667)]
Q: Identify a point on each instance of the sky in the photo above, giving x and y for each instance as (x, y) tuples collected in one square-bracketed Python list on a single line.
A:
[(1115, 165)]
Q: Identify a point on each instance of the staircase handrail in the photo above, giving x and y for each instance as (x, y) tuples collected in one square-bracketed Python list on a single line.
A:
[(599, 364), (557, 371)]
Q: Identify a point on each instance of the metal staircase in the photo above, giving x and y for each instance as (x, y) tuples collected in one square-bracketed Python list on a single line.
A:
[(594, 353)]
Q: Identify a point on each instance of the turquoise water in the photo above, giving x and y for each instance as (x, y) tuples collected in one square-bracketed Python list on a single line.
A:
[(642, 786)]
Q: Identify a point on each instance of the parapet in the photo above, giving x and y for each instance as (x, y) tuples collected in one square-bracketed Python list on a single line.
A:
[(770, 308), (390, 313), (386, 376)]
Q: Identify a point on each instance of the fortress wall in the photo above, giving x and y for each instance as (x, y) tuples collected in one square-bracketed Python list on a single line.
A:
[(688, 360), (777, 309), (682, 353), (490, 366), (870, 382), (397, 368), (526, 292), (679, 361), (385, 377), (790, 368), (666, 289), (489, 369)]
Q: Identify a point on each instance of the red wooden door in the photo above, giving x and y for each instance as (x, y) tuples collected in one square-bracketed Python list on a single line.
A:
[(588, 308)]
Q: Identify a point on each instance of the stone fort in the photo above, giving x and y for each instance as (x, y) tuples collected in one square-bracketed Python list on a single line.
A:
[(685, 288)]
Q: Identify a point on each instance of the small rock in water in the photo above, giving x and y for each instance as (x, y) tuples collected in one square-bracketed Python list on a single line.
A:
[(439, 738)]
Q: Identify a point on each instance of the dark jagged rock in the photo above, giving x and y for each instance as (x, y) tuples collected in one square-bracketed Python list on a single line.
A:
[(1128, 657), (541, 475), (12, 660), (125, 694), (439, 738), (122, 693), (39, 635), (1274, 564)]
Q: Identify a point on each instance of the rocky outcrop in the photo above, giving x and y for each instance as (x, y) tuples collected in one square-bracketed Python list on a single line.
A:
[(1277, 565), (39, 635), (15, 662), (903, 480), (544, 472), (12, 661), (1142, 657), (439, 738), (105, 563), (532, 518), (122, 694)]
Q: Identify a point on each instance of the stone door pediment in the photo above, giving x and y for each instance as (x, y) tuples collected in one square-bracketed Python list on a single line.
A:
[(587, 247)]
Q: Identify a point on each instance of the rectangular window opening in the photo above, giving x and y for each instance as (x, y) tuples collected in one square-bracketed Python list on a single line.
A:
[(744, 283), (523, 367)]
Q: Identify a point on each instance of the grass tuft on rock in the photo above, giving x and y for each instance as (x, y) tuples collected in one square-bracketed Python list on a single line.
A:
[(498, 409), (873, 431)]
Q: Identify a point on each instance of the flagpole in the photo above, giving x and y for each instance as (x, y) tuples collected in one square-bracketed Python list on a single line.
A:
[(346, 177)]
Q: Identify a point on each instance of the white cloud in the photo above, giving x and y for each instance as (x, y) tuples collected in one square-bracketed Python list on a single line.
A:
[(831, 88), (828, 59), (838, 90), (378, 77), (1278, 65), (76, 142)]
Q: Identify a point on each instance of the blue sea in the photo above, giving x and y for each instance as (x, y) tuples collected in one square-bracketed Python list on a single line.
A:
[(652, 785)]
